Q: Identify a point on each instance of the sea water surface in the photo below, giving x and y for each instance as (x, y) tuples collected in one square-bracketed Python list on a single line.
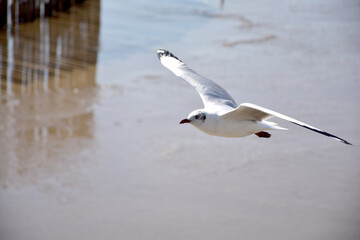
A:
[(91, 148)]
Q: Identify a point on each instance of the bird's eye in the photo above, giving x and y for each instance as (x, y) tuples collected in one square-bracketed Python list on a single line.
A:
[(197, 116)]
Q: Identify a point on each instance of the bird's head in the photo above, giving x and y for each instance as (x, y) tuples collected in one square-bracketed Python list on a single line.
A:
[(196, 117)]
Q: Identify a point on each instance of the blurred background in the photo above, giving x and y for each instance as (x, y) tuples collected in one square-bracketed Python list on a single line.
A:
[(91, 148)]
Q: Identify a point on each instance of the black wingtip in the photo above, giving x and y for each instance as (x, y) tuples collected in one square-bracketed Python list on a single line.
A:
[(165, 53), (324, 133), (346, 142)]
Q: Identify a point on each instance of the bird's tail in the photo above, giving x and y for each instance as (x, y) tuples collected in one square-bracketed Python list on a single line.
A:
[(274, 126)]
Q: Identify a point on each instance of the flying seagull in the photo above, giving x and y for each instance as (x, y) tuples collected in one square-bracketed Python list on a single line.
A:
[(221, 116)]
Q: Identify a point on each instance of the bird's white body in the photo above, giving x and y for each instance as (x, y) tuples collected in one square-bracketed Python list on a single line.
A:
[(221, 116), (220, 126)]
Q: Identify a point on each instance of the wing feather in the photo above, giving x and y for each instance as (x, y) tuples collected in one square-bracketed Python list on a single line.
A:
[(249, 111), (212, 94), (245, 112)]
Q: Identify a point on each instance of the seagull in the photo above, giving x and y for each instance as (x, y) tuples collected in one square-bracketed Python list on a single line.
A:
[(221, 116)]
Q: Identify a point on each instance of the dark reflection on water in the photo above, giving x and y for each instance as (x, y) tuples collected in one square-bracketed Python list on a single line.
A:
[(48, 70), (44, 53)]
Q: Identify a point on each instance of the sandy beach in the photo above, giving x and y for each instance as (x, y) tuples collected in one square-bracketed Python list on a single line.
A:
[(91, 148)]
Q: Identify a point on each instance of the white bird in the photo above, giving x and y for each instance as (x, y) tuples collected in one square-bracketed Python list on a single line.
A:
[(221, 116)]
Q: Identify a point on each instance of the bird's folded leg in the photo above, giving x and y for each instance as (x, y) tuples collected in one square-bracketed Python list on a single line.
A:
[(263, 134)]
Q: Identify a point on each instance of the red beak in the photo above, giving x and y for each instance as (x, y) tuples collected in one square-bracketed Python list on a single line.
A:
[(184, 121)]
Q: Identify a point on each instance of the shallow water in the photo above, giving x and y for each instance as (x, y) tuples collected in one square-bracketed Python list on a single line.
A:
[(91, 146)]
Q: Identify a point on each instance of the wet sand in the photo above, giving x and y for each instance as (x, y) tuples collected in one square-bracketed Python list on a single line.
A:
[(93, 150)]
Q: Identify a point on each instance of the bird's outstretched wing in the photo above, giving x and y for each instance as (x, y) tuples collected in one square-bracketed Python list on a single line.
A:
[(253, 112), (212, 95)]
